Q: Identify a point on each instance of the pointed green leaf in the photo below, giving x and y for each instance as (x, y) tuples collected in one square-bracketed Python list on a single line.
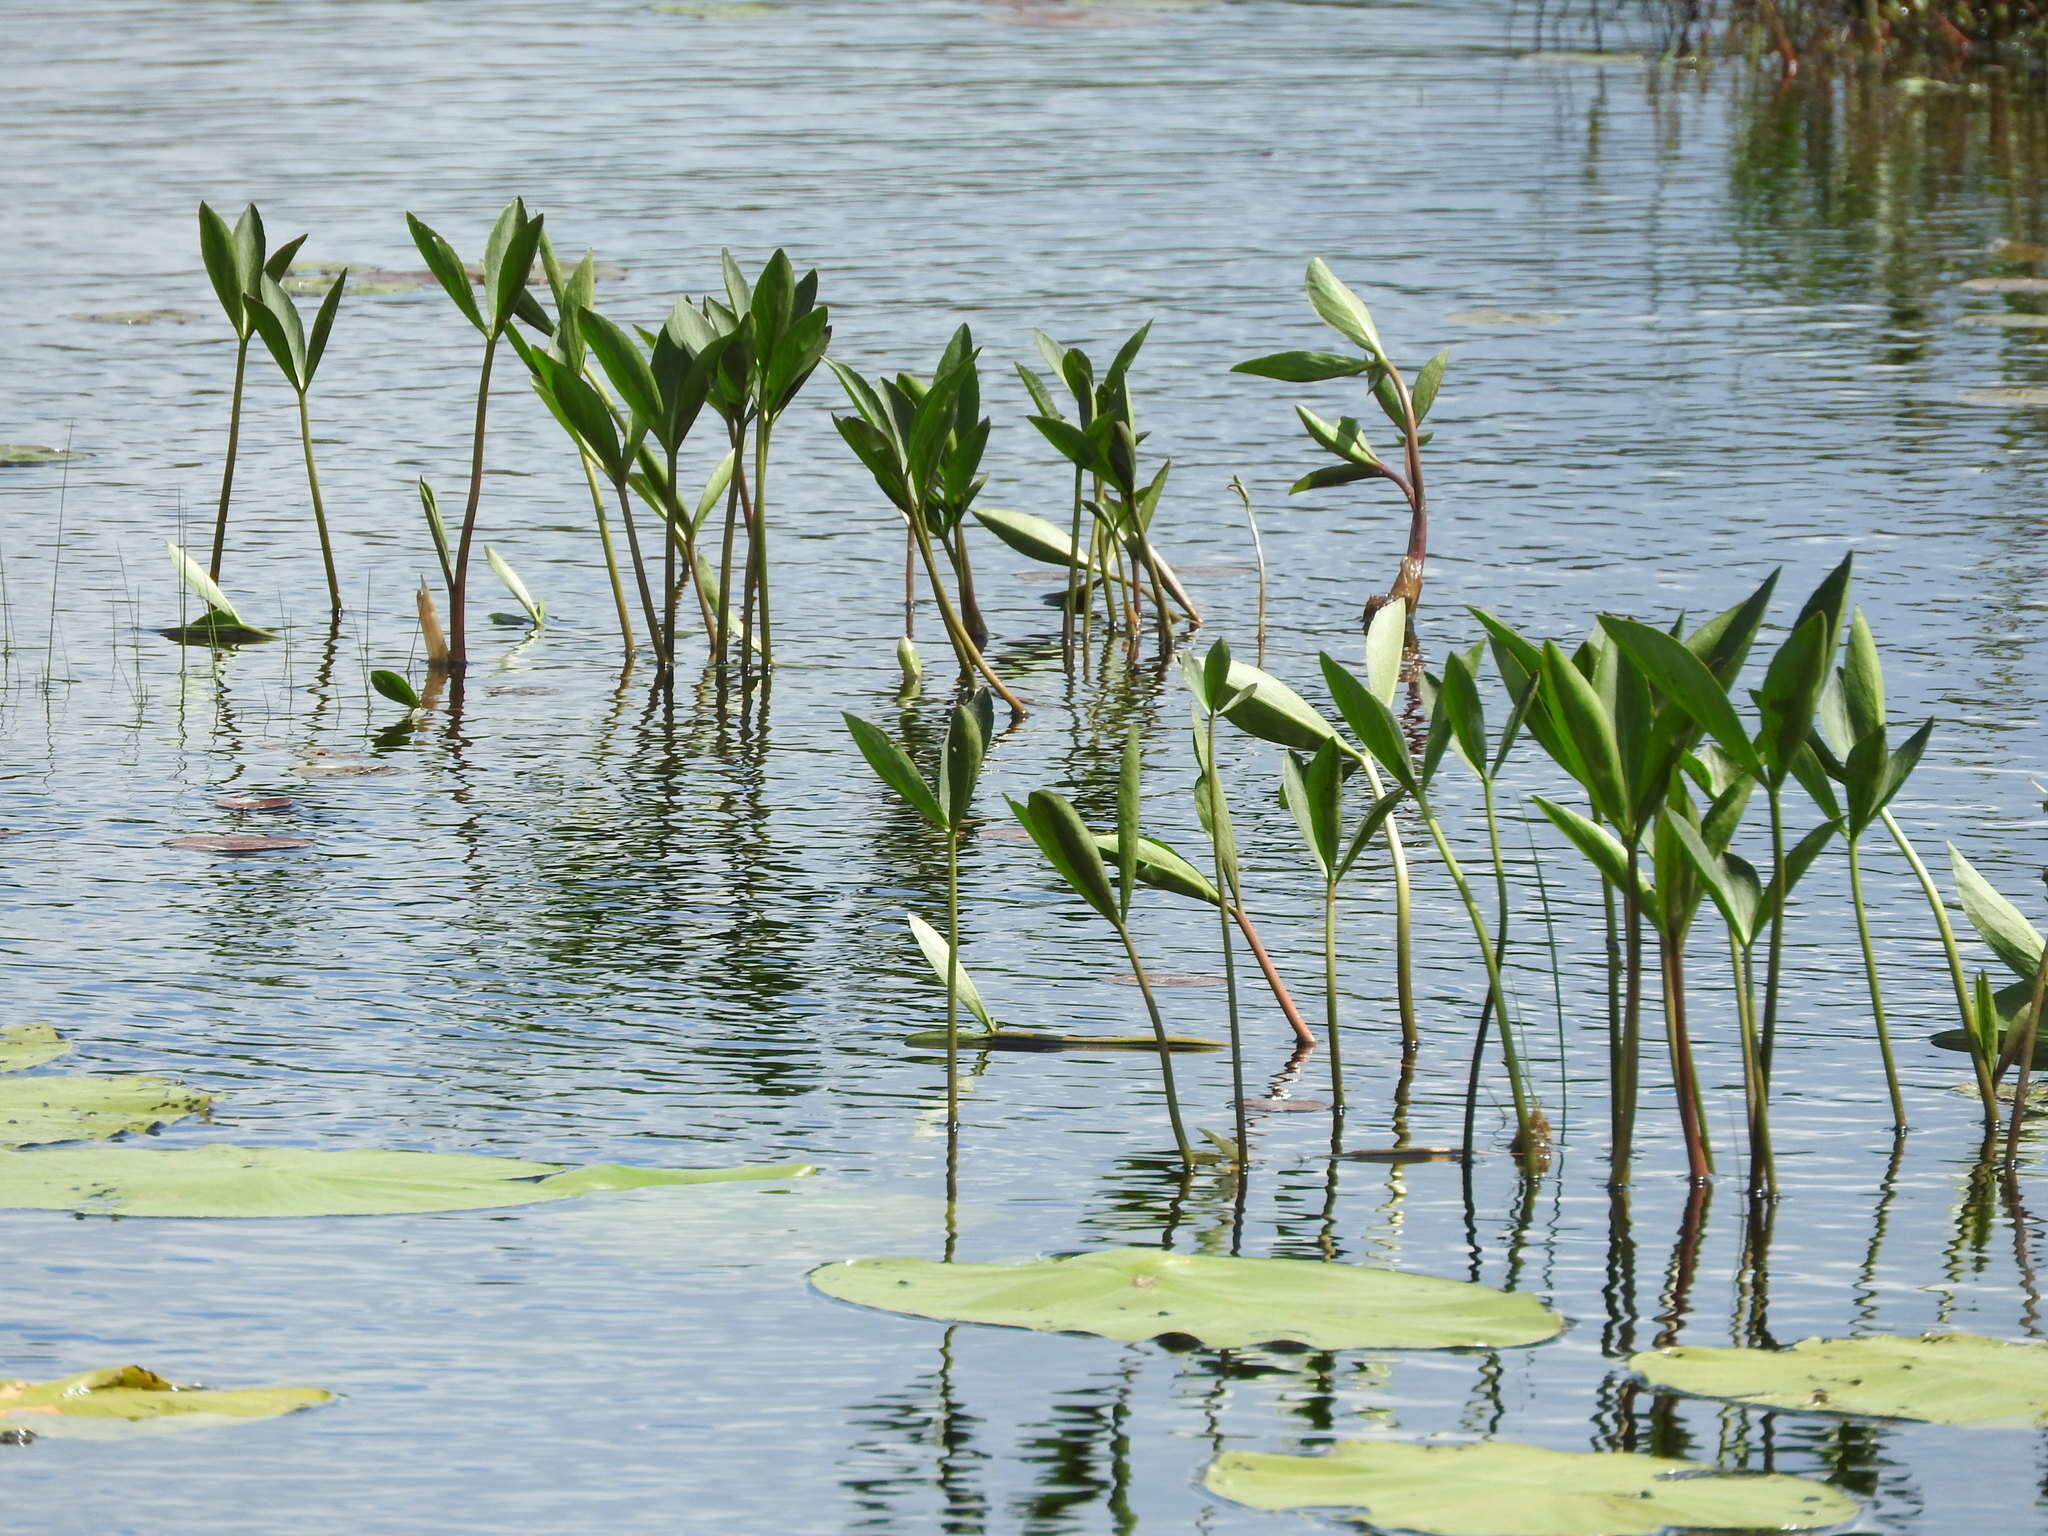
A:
[(894, 769)]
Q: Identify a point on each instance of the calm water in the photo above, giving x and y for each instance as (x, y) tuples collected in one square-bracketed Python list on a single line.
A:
[(566, 932)]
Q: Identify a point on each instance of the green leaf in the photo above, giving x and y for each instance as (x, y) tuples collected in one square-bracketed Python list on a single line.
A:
[(1588, 730), (1372, 722), (508, 261), (1303, 367), (1330, 476), (1791, 694), (1863, 680), (961, 755), (29, 1045), (1162, 869), (536, 610), (276, 319), (446, 266), (1271, 710), (1346, 439), (1341, 309), (625, 364), (202, 585), (323, 323), (1427, 382), (1128, 786), (1739, 902), (938, 953), (1386, 647), (1074, 445), (1314, 791), (1458, 704), (227, 1181), (895, 770), (1367, 828), (1800, 858), (1131, 1294), (430, 508), (98, 1404), (1033, 537), (1683, 679), (1499, 1488), (1828, 600), (393, 686), (1998, 922), (37, 1110), (1945, 1378), (217, 251), (1602, 849), (1070, 848)]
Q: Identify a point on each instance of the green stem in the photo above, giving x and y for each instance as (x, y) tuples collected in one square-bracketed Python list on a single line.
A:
[(1763, 1165), (1628, 1066), (1685, 1079), (1884, 1037), (1773, 963), (611, 561), (758, 549), (1940, 911), (640, 574), (952, 979), (969, 654), (458, 587), (1404, 924), (1073, 577), (1226, 884), (227, 470), (1180, 1135), (1330, 993), (735, 495), (1527, 1148), (2028, 1030), (319, 507)]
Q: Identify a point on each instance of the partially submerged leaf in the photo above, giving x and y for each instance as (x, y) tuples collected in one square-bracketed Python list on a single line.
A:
[(37, 1110), (1940, 1378), (298, 1181), (237, 842), (29, 1045), (1499, 1488), (1142, 1293), (20, 455), (98, 1404), (254, 802)]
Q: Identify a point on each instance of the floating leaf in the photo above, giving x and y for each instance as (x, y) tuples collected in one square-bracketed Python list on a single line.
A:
[(298, 1181), (37, 1110), (137, 317), (1142, 1293), (2005, 320), (1940, 1378), (237, 842), (254, 802), (323, 769), (1503, 1489), (99, 1404), (19, 455), (1036, 1040), (29, 1045), (2006, 284), (1507, 317)]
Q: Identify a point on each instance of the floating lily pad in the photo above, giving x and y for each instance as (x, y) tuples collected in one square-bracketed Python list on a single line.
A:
[(216, 629), (1405, 1155), (101, 1404), (1507, 317), (254, 802), (2016, 395), (137, 317), (1504, 1489), (1941, 1378), (237, 842), (334, 768), (2006, 284), (1035, 1040), (1167, 978), (19, 455), (1286, 1106), (2006, 320), (736, 10), (29, 1045), (1584, 56), (38, 1110), (1142, 1293), (297, 1181), (2025, 252)]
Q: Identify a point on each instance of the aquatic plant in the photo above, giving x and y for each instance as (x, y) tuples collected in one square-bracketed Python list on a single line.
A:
[(297, 353), (922, 442), (509, 254), (220, 623), (97, 1403), (943, 804), (1405, 407), (1056, 827), (237, 261), (1208, 682), (1939, 1378)]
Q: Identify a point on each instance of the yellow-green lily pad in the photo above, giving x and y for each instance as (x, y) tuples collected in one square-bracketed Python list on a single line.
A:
[(228, 1181), (1144, 1293), (104, 1403), (1500, 1488), (1507, 317), (29, 1045), (1939, 1378), (2005, 320), (20, 455), (1039, 1040), (2006, 284), (35, 1111), (2020, 396)]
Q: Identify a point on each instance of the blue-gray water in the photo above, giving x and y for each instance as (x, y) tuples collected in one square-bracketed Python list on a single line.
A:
[(568, 933)]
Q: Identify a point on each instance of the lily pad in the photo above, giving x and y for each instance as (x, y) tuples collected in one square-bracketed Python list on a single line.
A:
[(38, 1110), (216, 629), (1035, 1040), (96, 1404), (137, 317), (334, 769), (29, 1045), (2017, 395), (1940, 1378), (2025, 252), (735, 10), (1507, 317), (1585, 56), (297, 1181), (2006, 284), (2006, 320), (19, 455), (1958, 1040), (254, 802), (237, 842), (1503, 1489), (1143, 1293)]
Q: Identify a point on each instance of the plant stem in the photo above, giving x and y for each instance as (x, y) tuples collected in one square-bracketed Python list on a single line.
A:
[(1884, 1038), (640, 576), (319, 507), (1303, 1035), (227, 470), (1627, 1065), (1763, 1165), (757, 549), (1940, 911), (1404, 924), (1073, 577), (1226, 884), (1527, 1147), (971, 659), (458, 588), (1685, 1079), (1330, 993), (735, 496), (611, 562), (1180, 1135), (952, 979), (1775, 956), (2028, 1029)]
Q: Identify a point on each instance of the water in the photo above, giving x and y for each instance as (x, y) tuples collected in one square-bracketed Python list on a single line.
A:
[(564, 933)]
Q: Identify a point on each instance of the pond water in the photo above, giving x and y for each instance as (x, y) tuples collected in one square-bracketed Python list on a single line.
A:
[(567, 931)]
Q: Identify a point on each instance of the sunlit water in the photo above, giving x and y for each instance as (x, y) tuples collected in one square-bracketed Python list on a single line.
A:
[(567, 932)]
